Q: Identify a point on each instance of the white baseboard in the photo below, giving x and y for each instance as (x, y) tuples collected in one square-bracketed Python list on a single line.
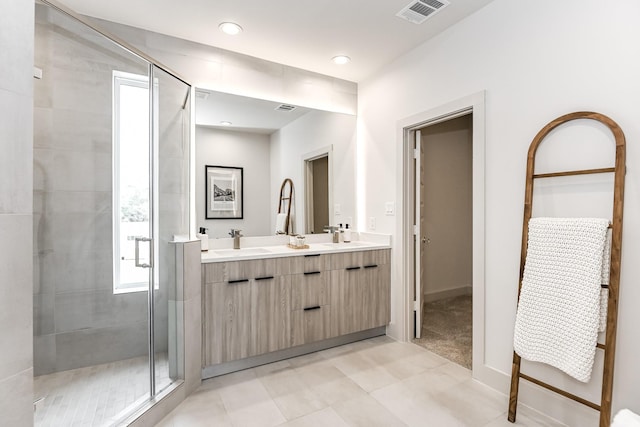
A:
[(539, 399)]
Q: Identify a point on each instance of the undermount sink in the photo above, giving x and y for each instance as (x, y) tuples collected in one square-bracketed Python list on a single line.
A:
[(244, 251)]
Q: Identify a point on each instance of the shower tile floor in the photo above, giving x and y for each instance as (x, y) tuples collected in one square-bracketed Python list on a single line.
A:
[(95, 395), (447, 327)]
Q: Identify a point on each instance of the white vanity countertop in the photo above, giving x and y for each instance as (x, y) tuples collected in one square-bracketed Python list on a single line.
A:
[(276, 246)]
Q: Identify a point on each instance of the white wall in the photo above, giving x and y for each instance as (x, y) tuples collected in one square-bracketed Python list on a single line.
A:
[(16, 207), (311, 132), (238, 149), (536, 61)]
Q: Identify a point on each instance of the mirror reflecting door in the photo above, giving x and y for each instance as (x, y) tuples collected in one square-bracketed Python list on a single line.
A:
[(317, 194)]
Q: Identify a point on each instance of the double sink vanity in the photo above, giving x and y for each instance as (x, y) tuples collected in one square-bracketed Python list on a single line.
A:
[(267, 302)]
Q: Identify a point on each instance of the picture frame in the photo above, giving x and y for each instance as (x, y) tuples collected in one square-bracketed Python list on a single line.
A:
[(223, 192)]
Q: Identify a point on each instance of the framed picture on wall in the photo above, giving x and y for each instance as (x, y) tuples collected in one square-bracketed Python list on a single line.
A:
[(223, 198)]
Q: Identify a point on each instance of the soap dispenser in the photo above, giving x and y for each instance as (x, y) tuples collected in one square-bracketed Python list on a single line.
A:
[(204, 239), (347, 234)]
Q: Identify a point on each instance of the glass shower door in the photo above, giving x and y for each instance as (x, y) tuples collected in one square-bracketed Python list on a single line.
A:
[(171, 220)]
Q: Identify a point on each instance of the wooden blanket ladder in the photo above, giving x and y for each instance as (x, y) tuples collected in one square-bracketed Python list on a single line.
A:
[(285, 202), (616, 247)]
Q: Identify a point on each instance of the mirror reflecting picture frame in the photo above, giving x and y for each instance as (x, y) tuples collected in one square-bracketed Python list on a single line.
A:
[(223, 192)]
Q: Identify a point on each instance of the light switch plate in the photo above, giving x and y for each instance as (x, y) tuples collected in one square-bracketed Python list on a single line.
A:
[(336, 209), (372, 223), (390, 208)]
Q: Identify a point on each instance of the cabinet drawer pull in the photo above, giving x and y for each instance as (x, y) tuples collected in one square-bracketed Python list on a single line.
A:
[(315, 307), (264, 278), (237, 281), (352, 268), (371, 266), (306, 273), (310, 255)]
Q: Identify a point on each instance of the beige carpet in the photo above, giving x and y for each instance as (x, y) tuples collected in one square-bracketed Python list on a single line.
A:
[(446, 329)]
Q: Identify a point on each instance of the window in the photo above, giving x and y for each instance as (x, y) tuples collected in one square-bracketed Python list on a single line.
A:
[(130, 180)]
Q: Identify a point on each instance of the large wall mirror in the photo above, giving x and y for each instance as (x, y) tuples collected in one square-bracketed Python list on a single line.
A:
[(272, 141)]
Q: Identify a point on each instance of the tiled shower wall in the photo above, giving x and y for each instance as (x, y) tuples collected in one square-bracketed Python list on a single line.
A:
[(78, 321), (16, 166)]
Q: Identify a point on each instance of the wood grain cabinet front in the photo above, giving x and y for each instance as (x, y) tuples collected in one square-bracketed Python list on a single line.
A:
[(270, 314), (360, 287), (246, 310), (310, 324), (226, 321), (255, 307)]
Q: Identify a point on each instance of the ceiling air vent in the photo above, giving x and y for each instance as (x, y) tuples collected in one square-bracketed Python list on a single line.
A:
[(418, 11), (202, 94), (285, 107)]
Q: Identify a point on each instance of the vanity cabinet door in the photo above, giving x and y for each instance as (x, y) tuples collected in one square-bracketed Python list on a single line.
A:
[(226, 321), (347, 299), (360, 288), (270, 314), (376, 310), (377, 276)]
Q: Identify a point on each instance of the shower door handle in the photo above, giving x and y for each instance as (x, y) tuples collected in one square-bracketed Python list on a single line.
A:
[(137, 260)]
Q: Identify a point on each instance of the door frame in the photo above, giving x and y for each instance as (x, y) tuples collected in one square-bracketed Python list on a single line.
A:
[(406, 128), (307, 173)]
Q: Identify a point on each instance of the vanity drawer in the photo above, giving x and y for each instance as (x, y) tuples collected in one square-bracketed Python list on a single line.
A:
[(376, 257), (344, 260), (310, 325), (250, 269), (309, 263), (367, 258), (309, 289), (213, 272)]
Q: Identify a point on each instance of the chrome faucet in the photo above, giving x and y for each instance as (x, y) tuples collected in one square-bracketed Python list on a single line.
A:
[(332, 229), (236, 237)]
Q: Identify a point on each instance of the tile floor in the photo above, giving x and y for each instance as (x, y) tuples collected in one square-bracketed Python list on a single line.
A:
[(95, 395), (376, 382)]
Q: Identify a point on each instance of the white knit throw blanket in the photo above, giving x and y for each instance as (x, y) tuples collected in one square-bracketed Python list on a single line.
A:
[(559, 308)]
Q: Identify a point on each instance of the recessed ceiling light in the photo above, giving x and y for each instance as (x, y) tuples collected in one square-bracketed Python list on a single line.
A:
[(230, 28), (225, 123), (341, 59)]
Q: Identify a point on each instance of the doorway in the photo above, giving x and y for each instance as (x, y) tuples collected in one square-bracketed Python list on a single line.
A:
[(443, 212)]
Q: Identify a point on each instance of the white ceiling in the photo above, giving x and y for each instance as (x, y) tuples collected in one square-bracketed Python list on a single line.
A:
[(300, 33)]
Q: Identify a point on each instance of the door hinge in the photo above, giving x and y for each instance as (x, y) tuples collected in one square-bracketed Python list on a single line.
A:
[(415, 153), (415, 230), (415, 305)]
